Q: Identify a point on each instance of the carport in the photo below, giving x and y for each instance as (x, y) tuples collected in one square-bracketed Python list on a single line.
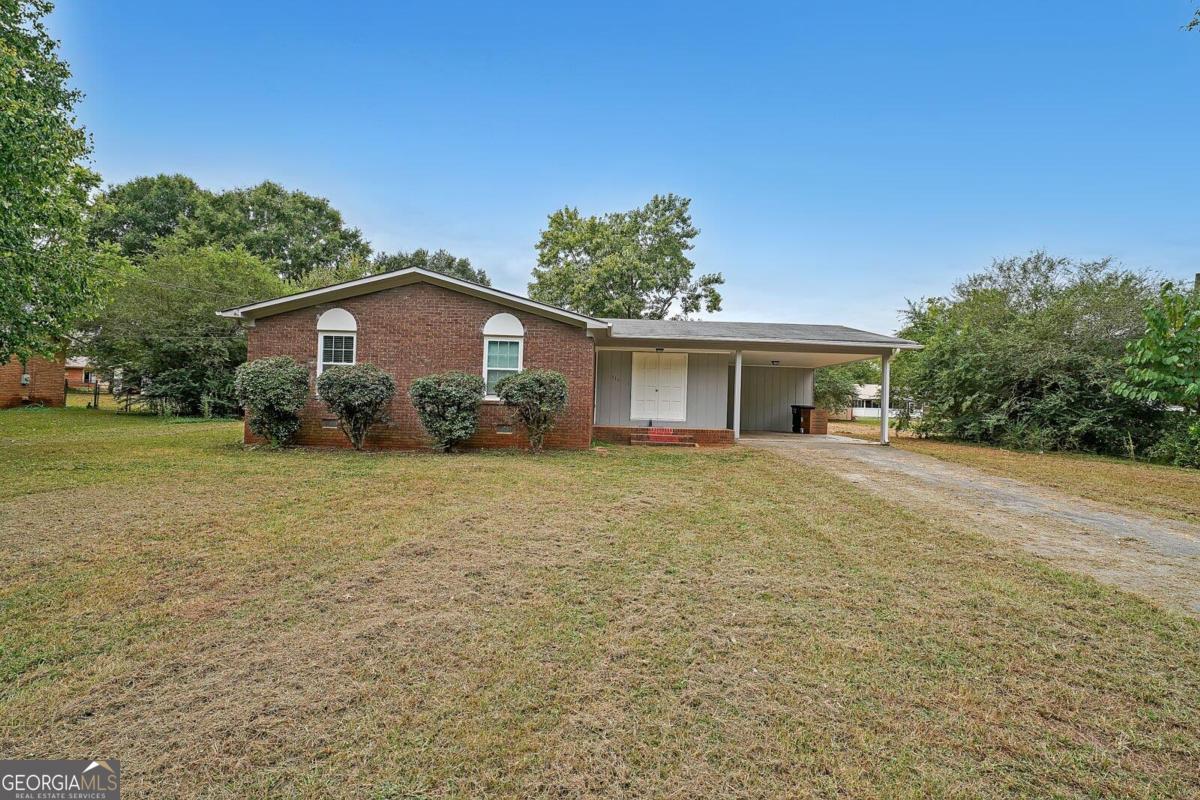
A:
[(716, 379)]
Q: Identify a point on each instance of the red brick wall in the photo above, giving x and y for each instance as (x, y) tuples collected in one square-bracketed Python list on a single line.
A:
[(75, 377), (421, 329), (46, 378)]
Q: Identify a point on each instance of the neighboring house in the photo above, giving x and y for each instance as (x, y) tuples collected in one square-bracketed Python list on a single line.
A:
[(693, 382), (80, 373), (39, 381), (867, 404)]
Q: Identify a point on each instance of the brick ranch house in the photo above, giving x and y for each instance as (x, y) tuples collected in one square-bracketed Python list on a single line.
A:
[(690, 382)]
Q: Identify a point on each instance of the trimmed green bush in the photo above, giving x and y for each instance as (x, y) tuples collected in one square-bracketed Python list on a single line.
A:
[(359, 395), (537, 397), (273, 391), (448, 406)]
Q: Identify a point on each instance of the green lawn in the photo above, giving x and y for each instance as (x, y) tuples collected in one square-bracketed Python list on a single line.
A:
[(1162, 491), (626, 623)]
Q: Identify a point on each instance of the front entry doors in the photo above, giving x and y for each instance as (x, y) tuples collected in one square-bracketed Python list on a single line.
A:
[(659, 387)]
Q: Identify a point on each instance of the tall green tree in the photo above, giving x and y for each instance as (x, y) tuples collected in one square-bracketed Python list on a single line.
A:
[(292, 230), (161, 331), (48, 274), (439, 261), (136, 214), (1163, 366), (624, 264)]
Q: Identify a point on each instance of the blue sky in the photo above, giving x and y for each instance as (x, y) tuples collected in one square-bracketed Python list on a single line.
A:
[(840, 157)]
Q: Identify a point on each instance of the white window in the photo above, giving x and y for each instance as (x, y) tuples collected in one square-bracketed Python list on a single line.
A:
[(337, 339), (503, 350), (336, 349)]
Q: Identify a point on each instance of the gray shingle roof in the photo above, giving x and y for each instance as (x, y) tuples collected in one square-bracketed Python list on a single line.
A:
[(775, 332)]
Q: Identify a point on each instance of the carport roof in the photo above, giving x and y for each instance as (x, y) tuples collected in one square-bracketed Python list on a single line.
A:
[(749, 333)]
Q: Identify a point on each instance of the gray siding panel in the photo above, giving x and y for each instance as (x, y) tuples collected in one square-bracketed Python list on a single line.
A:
[(768, 394), (614, 369), (707, 389)]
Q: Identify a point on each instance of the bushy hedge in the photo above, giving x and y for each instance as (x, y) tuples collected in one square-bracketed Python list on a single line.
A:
[(537, 397), (273, 391), (359, 395), (1025, 355), (448, 406)]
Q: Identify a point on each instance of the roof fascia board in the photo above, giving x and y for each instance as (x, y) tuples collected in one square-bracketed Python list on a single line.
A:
[(810, 345)]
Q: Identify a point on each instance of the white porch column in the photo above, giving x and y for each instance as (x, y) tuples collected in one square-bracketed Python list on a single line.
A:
[(885, 390), (737, 395)]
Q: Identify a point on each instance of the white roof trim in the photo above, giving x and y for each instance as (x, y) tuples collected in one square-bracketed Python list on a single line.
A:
[(748, 344), (404, 277)]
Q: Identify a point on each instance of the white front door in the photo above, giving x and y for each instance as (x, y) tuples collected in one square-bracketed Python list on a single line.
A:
[(659, 387)]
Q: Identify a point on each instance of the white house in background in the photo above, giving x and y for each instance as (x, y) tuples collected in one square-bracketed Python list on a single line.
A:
[(866, 402)]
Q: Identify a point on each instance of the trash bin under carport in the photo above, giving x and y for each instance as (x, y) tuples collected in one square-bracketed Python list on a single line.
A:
[(802, 419)]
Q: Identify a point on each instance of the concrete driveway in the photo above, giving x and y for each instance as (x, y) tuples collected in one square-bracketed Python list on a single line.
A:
[(1157, 558)]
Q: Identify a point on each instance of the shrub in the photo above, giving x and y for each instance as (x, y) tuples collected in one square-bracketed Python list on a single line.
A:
[(359, 395), (537, 397), (272, 390), (448, 406), (1179, 443), (1026, 353)]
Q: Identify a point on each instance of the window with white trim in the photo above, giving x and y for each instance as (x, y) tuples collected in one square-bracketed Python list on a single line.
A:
[(503, 350), (337, 349), (503, 358), (337, 339)]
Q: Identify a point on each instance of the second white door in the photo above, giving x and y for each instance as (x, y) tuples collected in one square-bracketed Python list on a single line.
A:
[(658, 388)]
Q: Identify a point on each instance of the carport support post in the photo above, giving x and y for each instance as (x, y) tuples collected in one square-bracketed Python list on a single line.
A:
[(885, 394), (737, 395)]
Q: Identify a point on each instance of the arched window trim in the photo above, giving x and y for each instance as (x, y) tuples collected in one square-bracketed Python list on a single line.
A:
[(337, 339), (498, 355)]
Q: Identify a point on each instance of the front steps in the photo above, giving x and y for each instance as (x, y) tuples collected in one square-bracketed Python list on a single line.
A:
[(661, 437)]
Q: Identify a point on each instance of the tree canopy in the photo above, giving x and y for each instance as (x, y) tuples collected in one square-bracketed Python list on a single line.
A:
[(624, 264), (292, 230), (162, 332), (1026, 353), (135, 215), (50, 275), (439, 261)]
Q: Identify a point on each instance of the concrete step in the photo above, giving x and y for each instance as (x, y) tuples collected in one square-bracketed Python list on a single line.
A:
[(656, 443), (662, 437)]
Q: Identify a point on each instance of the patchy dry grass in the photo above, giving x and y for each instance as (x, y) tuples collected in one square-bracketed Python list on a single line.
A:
[(235, 623), (1170, 492), (81, 398)]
